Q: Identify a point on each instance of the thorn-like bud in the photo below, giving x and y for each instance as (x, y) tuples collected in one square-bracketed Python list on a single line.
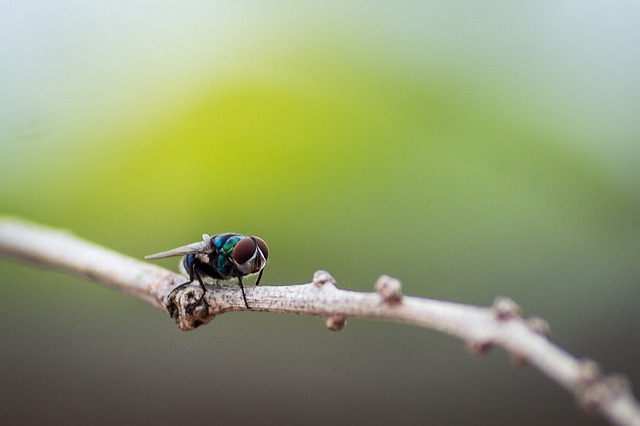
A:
[(480, 347), (539, 326), (519, 359), (336, 323), (321, 278), (505, 308), (589, 372), (389, 289)]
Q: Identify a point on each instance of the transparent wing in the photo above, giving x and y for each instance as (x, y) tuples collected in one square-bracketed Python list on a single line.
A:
[(199, 247)]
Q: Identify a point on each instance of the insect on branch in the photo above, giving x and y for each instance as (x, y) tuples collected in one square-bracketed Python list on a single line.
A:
[(482, 328)]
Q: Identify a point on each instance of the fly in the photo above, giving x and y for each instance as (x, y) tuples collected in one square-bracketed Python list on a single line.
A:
[(221, 257)]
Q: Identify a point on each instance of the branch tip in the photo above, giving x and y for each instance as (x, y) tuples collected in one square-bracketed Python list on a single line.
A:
[(390, 289), (604, 391)]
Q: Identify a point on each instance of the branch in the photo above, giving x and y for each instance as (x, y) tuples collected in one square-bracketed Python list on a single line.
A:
[(481, 327)]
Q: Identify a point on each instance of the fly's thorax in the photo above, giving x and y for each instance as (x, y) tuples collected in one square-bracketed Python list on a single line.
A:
[(225, 243)]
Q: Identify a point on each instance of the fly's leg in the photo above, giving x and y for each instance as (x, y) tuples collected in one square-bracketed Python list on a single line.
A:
[(181, 285), (239, 277), (259, 276), (244, 297), (193, 275), (204, 289)]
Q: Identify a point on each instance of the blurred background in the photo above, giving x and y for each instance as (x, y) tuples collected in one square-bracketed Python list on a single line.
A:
[(469, 149)]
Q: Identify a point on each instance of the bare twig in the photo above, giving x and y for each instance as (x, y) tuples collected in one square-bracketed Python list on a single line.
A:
[(481, 327)]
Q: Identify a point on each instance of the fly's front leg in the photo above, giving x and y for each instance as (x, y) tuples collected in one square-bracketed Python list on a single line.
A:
[(244, 297), (259, 276)]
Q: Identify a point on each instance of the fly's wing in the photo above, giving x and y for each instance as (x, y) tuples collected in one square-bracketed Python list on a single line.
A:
[(199, 247)]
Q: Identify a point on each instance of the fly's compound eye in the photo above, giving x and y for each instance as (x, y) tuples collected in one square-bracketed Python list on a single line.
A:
[(244, 250), (263, 247)]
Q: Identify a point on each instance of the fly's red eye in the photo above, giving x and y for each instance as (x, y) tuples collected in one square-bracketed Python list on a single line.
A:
[(263, 246), (244, 250)]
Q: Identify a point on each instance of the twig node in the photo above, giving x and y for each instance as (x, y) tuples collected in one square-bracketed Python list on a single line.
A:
[(390, 289), (480, 347), (505, 308), (336, 323), (604, 391), (539, 326), (519, 359), (321, 278), (588, 373), (187, 309)]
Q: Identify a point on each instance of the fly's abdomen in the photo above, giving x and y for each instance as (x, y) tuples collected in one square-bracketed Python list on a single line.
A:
[(187, 265)]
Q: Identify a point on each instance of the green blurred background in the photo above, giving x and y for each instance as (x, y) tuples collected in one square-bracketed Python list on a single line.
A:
[(469, 149)]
